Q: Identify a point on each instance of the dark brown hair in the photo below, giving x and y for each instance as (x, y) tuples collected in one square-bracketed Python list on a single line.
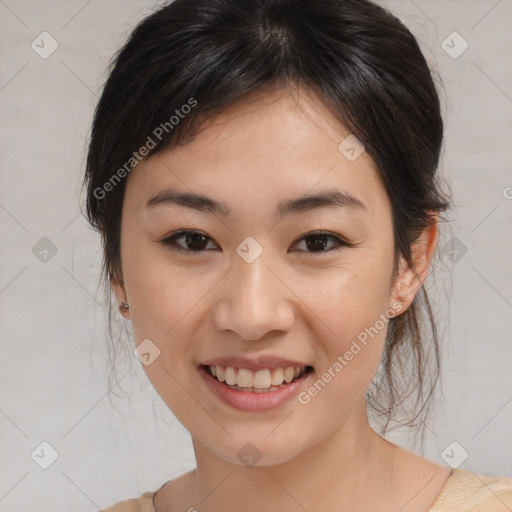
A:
[(359, 59)]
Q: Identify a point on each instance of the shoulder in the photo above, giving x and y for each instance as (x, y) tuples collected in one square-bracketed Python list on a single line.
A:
[(142, 504), (466, 491)]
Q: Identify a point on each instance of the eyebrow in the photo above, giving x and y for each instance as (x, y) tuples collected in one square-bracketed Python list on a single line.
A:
[(330, 198)]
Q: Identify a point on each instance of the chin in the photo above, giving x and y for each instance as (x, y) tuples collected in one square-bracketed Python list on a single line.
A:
[(258, 450)]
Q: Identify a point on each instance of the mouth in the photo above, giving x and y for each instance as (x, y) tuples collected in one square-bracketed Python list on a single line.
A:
[(266, 380)]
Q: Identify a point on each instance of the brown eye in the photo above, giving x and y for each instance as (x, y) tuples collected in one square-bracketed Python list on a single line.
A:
[(322, 243), (193, 242)]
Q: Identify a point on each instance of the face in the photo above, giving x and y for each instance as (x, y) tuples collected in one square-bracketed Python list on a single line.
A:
[(252, 286)]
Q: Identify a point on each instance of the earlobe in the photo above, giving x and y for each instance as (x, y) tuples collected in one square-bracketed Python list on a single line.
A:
[(120, 294), (410, 279)]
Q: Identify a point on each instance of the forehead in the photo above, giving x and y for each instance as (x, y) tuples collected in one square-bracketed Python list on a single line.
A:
[(271, 145)]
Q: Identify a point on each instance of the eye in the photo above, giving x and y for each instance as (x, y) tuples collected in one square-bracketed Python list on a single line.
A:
[(318, 242), (195, 242)]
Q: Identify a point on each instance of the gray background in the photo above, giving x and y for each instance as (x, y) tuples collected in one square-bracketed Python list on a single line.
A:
[(53, 366)]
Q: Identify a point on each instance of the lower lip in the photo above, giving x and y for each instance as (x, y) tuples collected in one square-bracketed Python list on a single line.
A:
[(252, 401)]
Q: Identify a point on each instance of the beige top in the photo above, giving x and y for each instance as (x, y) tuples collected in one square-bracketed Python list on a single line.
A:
[(464, 491)]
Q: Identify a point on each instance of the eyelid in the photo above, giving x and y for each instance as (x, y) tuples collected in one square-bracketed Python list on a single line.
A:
[(169, 241), (341, 242)]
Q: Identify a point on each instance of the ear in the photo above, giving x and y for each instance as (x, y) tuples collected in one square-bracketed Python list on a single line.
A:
[(409, 280), (120, 294)]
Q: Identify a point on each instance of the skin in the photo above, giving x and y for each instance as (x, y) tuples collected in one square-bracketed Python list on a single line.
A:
[(290, 302)]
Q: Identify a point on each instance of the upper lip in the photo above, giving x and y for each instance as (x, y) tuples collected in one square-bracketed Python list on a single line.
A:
[(254, 363)]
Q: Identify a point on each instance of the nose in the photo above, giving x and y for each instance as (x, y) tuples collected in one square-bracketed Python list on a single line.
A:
[(254, 301)]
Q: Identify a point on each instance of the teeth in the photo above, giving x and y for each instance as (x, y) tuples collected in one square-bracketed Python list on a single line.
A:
[(244, 378), (288, 374), (230, 376), (220, 373), (277, 376), (261, 379)]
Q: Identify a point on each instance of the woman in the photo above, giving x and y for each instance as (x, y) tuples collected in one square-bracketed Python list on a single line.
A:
[(263, 175)]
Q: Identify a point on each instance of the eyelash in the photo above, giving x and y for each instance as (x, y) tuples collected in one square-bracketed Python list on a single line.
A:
[(170, 242)]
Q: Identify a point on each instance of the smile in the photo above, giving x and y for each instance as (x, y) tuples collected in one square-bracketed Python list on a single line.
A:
[(260, 381), (254, 390)]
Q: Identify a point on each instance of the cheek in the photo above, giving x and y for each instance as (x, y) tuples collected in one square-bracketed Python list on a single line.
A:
[(160, 294), (167, 307), (350, 296), (354, 305), (164, 301)]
